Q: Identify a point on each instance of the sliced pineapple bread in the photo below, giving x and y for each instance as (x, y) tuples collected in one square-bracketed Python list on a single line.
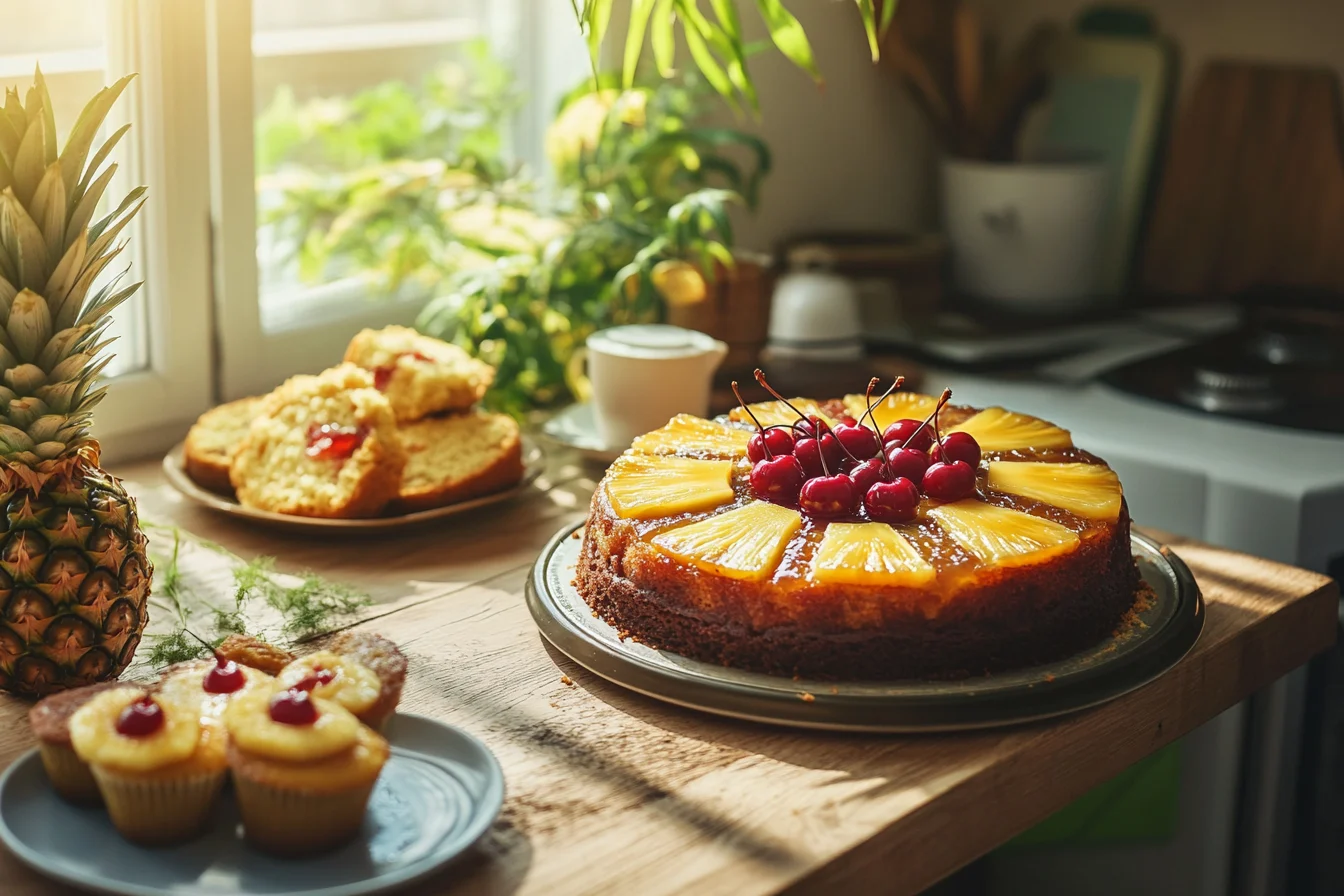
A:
[(322, 446), (210, 443), (419, 375), (453, 458)]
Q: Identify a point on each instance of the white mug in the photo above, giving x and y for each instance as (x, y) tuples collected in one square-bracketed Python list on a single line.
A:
[(645, 374)]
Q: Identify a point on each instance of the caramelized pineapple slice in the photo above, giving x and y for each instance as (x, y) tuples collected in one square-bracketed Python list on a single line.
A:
[(746, 543), (771, 413), (643, 486), (868, 554), (685, 434), (999, 430), (897, 406), (1003, 537), (1087, 490)]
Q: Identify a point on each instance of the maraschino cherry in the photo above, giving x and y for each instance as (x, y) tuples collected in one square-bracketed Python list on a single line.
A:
[(949, 480), (874, 469), (769, 441), (141, 718), (957, 446), (775, 477), (892, 502), (224, 677), (293, 707), (319, 677), (828, 495), (908, 433), (860, 441), (908, 462)]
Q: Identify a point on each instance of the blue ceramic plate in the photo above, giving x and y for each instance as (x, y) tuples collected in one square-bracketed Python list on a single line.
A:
[(439, 792)]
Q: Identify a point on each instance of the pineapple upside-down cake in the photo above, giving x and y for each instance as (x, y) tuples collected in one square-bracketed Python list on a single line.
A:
[(856, 539)]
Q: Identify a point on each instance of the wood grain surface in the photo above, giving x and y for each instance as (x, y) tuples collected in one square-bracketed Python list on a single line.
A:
[(610, 792), (1252, 188)]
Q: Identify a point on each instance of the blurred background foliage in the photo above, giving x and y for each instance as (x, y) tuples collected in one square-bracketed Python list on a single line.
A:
[(412, 187)]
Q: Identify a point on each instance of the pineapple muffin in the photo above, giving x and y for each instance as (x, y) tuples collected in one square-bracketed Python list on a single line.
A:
[(50, 720), (159, 765), (363, 672), (419, 375), (1028, 562), (210, 684), (212, 439), (322, 446), (303, 770), (451, 459)]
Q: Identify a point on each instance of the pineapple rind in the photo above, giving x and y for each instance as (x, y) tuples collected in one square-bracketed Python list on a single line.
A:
[(997, 429), (869, 554), (897, 406), (690, 434), (775, 413), (747, 543), (1001, 536), (643, 486), (1091, 491)]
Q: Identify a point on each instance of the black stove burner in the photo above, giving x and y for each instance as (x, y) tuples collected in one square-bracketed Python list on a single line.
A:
[(1285, 368)]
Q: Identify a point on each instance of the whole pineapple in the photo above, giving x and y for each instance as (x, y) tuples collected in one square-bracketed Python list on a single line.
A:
[(74, 576)]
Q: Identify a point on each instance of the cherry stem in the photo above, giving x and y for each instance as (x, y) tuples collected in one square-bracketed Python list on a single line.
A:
[(759, 428), (204, 643), (942, 400), (760, 378), (868, 399)]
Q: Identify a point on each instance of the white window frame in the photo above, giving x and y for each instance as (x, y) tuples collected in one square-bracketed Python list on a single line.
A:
[(149, 408), (251, 359)]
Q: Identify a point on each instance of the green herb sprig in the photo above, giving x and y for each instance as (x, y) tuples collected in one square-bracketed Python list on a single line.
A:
[(312, 606)]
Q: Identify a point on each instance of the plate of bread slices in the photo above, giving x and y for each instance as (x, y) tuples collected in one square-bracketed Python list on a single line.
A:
[(253, 772), (391, 437)]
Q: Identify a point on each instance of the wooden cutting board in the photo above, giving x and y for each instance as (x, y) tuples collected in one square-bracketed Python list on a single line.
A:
[(1252, 189)]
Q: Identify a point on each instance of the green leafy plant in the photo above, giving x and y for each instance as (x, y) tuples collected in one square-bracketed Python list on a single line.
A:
[(643, 189), (714, 38)]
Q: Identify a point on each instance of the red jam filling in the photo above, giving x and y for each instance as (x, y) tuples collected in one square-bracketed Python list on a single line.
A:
[(320, 676), (141, 719), (293, 707), (383, 375), (224, 678), (333, 442)]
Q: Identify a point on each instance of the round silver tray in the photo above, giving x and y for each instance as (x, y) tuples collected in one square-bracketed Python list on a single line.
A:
[(1162, 635), (175, 471)]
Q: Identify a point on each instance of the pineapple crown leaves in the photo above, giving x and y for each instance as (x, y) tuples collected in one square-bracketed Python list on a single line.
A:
[(52, 321)]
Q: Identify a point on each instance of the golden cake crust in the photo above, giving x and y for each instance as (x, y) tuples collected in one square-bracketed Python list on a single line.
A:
[(272, 471), (210, 442), (419, 375), (973, 617), (456, 458)]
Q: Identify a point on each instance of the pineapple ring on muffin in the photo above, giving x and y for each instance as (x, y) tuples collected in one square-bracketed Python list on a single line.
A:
[(418, 374), (210, 684), (452, 459), (96, 737), (334, 677), (254, 729), (212, 439), (380, 656), (323, 446)]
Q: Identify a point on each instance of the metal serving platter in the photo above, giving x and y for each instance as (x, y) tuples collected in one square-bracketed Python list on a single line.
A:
[(1160, 637), (175, 471)]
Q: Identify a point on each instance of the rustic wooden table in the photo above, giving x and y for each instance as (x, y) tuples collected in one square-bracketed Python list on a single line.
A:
[(610, 792)]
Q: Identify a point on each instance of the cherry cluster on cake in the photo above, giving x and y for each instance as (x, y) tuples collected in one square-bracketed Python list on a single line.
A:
[(834, 471)]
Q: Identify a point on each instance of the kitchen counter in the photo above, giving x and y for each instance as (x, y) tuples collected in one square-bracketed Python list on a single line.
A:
[(608, 791)]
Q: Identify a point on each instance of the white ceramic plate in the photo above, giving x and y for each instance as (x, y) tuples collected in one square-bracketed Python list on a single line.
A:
[(174, 469), (574, 427), (439, 792)]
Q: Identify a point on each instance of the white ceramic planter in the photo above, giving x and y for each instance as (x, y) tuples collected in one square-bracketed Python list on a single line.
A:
[(1026, 236)]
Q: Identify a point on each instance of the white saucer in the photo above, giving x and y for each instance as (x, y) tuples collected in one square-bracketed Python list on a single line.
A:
[(575, 427)]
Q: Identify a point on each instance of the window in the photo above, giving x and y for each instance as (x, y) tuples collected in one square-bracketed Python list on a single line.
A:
[(224, 91)]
